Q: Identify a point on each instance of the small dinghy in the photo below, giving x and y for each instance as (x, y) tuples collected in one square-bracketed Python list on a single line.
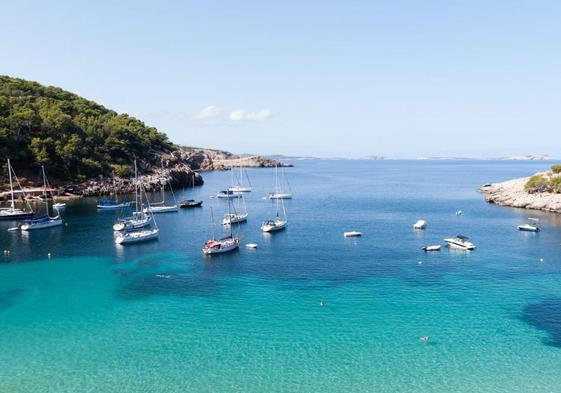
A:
[(352, 234), (431, 248), (251, 245), (421, 224)]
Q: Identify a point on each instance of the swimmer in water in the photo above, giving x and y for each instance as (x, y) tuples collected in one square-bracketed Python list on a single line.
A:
[(425, 339), (321, 303)]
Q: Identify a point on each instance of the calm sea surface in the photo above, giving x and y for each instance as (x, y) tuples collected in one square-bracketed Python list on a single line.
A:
[(160, 317)]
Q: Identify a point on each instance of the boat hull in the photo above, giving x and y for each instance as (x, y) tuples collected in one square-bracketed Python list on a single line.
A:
[(41, 225), (528, 228), (280, 196), (227, 246), (161, 209), (14, 215), (240, 189), (190, 204), (234, 219), (137, 237), (131, 225), (113, 207), (278, 226)]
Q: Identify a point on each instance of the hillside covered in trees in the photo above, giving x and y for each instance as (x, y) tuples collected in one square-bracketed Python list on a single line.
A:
[(75, 138)]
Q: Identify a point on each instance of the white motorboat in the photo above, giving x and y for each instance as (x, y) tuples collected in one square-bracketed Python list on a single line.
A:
[(431, 248), (12, 212), (352, 234), (45, 221), (530, 227), (421, 224), (226, 244), (279, 192), (273, 225), (137, 236), (460, 242), (228, 194)]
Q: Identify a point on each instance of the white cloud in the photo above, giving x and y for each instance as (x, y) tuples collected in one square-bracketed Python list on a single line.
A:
[(210, 112), (242, 114)]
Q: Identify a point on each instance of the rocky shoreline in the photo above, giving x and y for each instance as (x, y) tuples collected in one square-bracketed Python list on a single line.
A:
[(183, 167), (512, 193)]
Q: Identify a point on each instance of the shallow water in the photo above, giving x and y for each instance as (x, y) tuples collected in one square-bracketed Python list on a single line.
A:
[(160, 317)]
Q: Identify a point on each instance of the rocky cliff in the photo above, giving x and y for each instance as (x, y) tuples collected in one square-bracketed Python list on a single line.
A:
[(512, 193)]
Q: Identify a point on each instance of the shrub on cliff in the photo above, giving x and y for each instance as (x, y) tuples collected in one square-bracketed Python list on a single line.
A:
[(74, 137), (555, 184), (556, 168), (537, 183)]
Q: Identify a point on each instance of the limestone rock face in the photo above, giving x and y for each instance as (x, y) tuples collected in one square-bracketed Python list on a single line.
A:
[(512, 193), (181, 169)]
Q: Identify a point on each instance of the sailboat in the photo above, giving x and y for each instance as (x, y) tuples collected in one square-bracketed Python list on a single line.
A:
[(139, 219), (45, 221), (236, 217), (279, 192), (239, 187), (187, 203), (138, 235), (161, 207), (278, 223), (226, 244), (12, 212), (111, 203)]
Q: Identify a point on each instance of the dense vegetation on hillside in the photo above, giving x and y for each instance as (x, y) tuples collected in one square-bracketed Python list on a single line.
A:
[(75, 138), (549, 183)]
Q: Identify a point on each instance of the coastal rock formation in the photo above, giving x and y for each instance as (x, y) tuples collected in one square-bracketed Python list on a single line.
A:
[(512, 193), (218, 160)]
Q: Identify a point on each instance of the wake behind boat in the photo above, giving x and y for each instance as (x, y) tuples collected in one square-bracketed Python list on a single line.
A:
[(460, 242)]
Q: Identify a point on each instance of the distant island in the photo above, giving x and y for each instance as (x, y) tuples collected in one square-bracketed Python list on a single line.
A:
[(541, 191), (87, 148)]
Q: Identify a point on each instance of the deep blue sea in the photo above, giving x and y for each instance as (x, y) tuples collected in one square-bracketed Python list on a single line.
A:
[(160, 317)]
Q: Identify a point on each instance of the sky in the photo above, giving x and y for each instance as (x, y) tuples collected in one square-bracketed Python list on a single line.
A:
[(400, 79)]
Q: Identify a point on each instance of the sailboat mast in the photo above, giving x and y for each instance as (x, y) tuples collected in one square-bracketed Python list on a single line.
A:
[(11, 184), (212, 223), (45, 189), (163, 184), (136, 189)]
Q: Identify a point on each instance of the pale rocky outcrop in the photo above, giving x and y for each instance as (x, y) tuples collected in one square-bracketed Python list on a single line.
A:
[(511, 193)]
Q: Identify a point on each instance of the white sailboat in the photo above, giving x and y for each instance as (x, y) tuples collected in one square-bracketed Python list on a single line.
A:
[(161, 207), (138, 235), (236, 216), (139, 219), (239, 186), (45, 221), (278, 223), (12, 212), (220, 246), (279, 192)]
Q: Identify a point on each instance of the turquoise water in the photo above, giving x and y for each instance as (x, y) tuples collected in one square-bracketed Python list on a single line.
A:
[(160, 317)]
